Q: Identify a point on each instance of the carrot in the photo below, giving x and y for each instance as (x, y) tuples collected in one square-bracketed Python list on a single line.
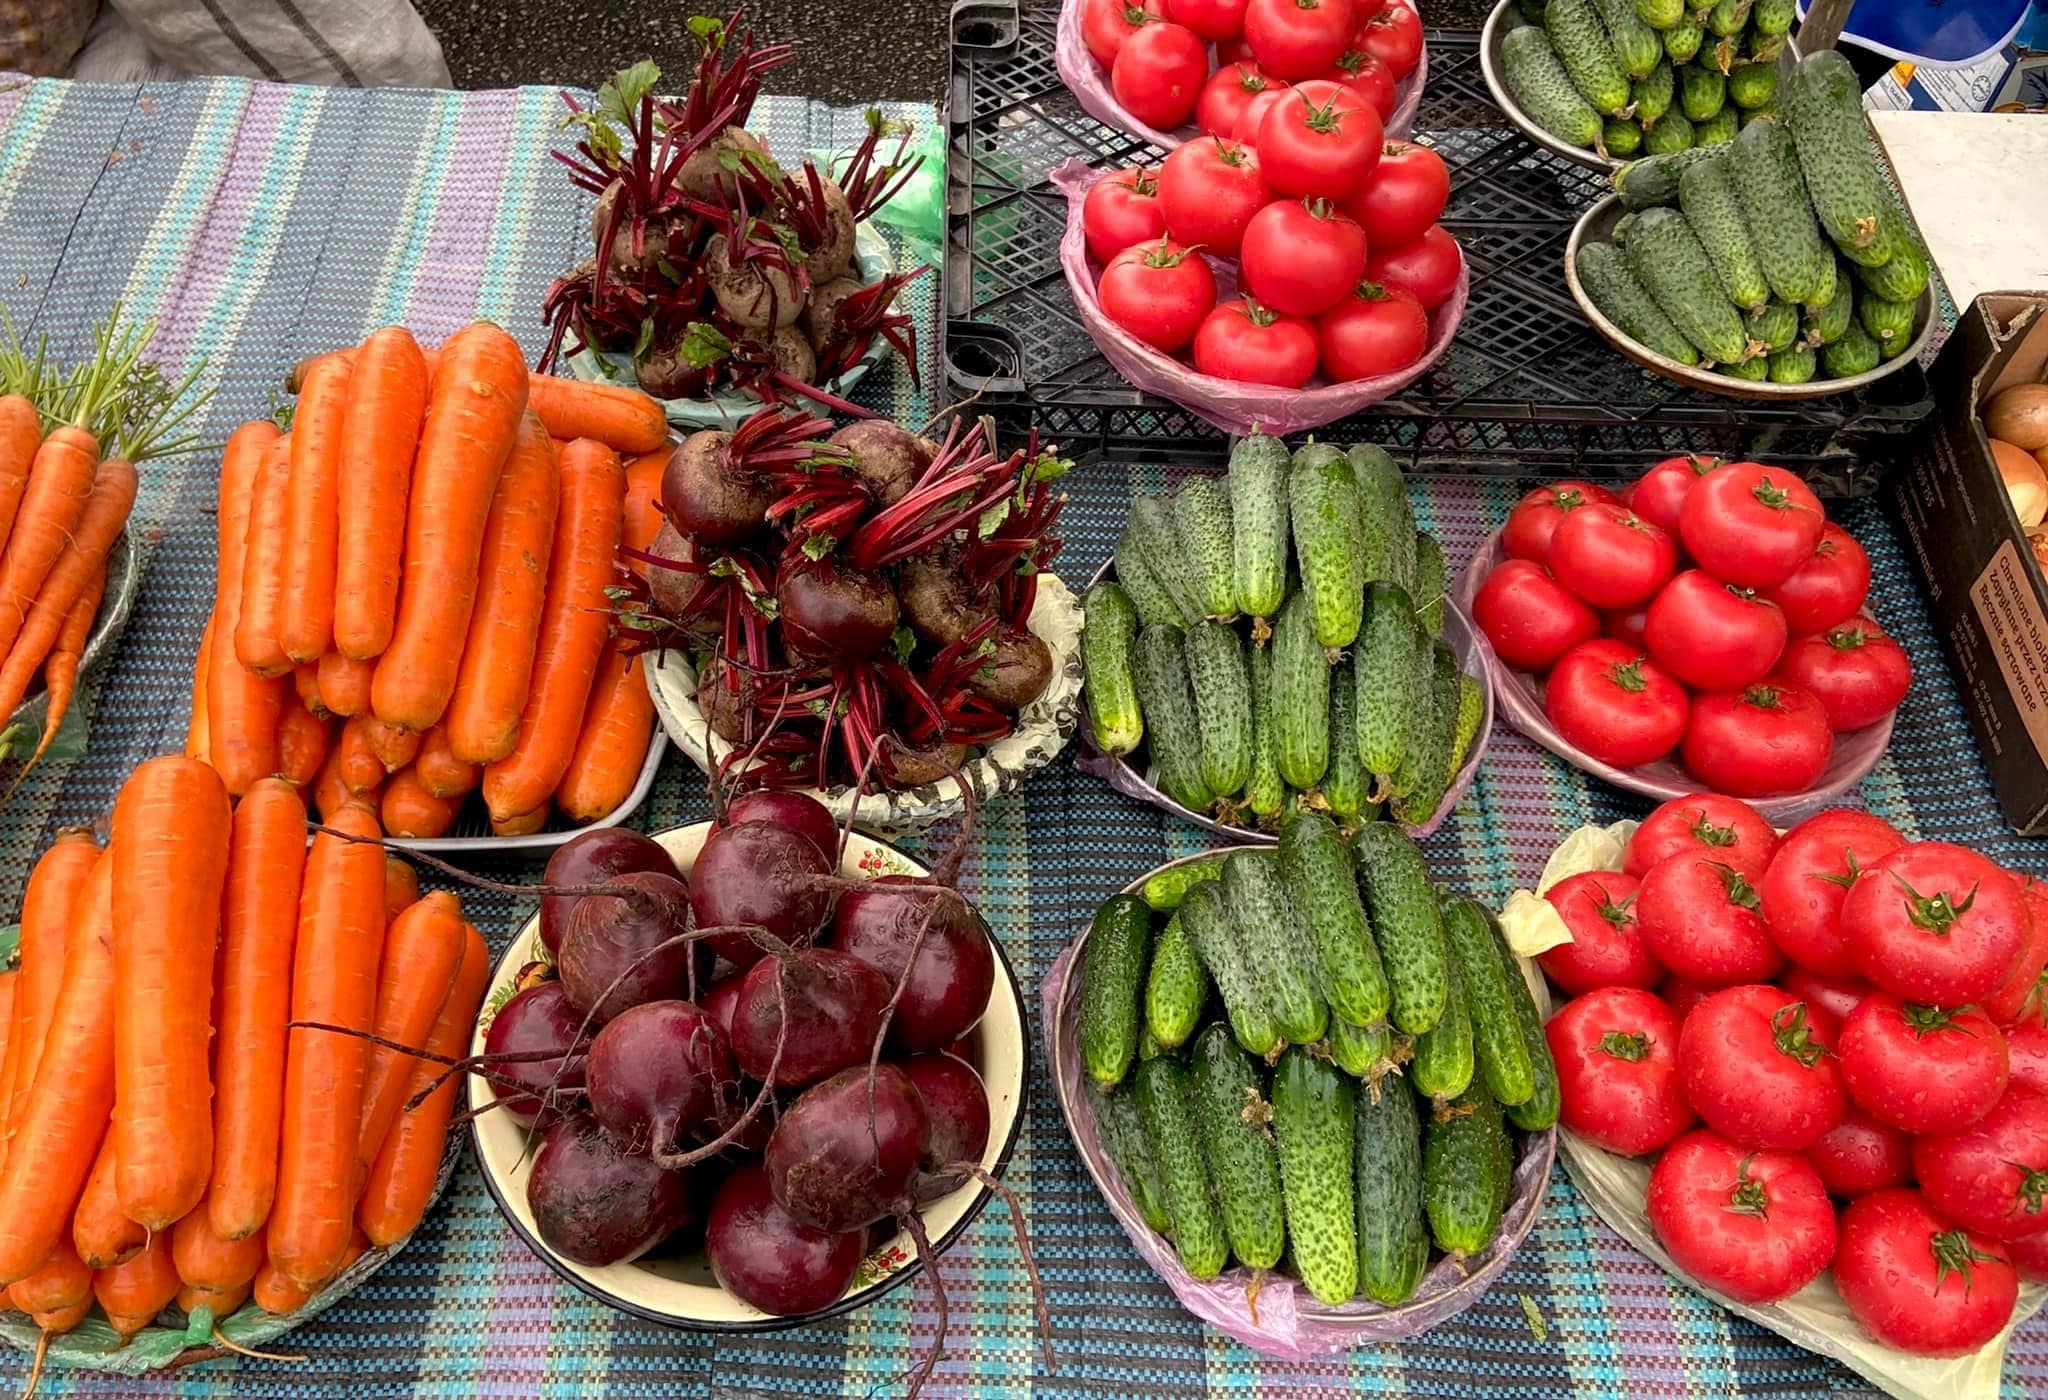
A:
[(242, 707), (77, 564), (62, 1282), (196, 745), (102, 1235), (306, 685), (334, 981), (401, 886), (9, 981), (422, 954), (60, 672), (407, 809), (497, 660), (387, 398), (395, 748), (221, 1302), (259, 927), (441, 773), (257, 625), (361, 770), (59, 481), (133, 1293), (279, 1295), (345, 684), (330, 793), (311, 512), (473, 415), (302, 741), (401, 1180), (618, 724), (295, 378), (21, 433), (574, 622), (63, 1319), (48, 907), (209, 1260), (522, 823), (642, 520), (625, 420)]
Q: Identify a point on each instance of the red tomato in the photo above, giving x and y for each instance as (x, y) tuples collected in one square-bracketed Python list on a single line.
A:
[(2023, 995), (1683, 997), (1121, 209), (1159, 73), (1829, 587), (1756, 1226), (1607, 949), (1760, 741), (1750, 525), (1404, 196), (1857, 672), (1320, 142), (1919, 1068), (2030, 1257), (1428, 267), (1992, 1177), (1105, 24), (1159, 292), (1212, 19), (1860, 1155), (1231, 90), (1615, 704), (1394, 37), (1529, 619), (1236, 50), (1660, 491), (1209, 191), (1244, 341), (1301, 258), (1611, 557), (1918, 1283), (1837, 996), (1617, 1070), (1369, 78), (1535, 518), (1372, 332), (1699, 918), (1936, 923), (1254, 112), (2026, 1046), (1759, 1068), (1630, 625), (1713, 635), (1298, 38), (1809, 878), (1707, 825)]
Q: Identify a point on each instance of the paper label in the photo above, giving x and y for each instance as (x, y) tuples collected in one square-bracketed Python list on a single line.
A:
[(2010, 613)]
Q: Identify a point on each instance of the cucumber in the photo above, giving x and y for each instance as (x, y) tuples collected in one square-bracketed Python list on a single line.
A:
[(1758, 47), (1205, 914), (1426, 776), (1619, 233), (1544, 91), (1301, 698), (1728, 17), (1890, 323), (1443, 1063), (1201, 517), (1116, 1115), (1759, 113), (1824, 110), (1386, 704), (1109, 637), (1825, 324), (1653, 180), (1430, 579), (1832, 271), (1773, 16), (1386, 1175), (1620, 138), (1660, 14), (1314, 1107), (1149, 1047), (1755, 370), (1667, 258), (1581, 44), (1701, 92), (1604, 273), (1163, 890), (1708, 201), (1153, 599), (1497, 1046), (1363, 1052), (1323, 885), (1322, 493), (1775, 324), (1637, 47), (1405, 924), (1166, 1108), (1669, 134), (1244, 1167), (1903, 276), (1346, 784), (1175, 986), (1158, 542), (1854, 353), (1223, 705), (1717, 130), (1112, 972), (1471, 705), (1466, 1163), (1174, 733), (1796, 364), (1258, 511), (1755, 85), (1788, 242), (1540, 1109), (1264, 791), (1652, 96), (1385, 519), (1267, 928), (1682, 40)]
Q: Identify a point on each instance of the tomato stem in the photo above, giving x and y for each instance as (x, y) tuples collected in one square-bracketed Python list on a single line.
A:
[(1953, 1254), (1922, 1020), (1847, 638), (1794, 1037), (1748, 1197), (1632, 1046), (1707, 834), (1934, 913), (1740, 892)]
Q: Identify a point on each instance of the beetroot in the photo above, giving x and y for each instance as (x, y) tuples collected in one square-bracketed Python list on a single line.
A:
[(596, 1204), (844, 1153), (834, 1004), (765, 1256), (759, 873), (956, 1103), (620, 949), (911, 767), (949, 979), (590, 858), (805, 815), (936, 600), (827, 611), (1018, 673), (710, 496), (539, 1018), (720, 998), (652, 1072), (888, 458)]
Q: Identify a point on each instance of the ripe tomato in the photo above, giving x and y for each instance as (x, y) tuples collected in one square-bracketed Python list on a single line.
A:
[(1857, 672), (1159, 292), (1860, 1155), (1630, 625), (2030, 1257), (1992, 1177), (1809, 878), (1936, 923), (1609, 700), (2023, 995), (1320, 141), (1699, 918), (1829, 587), (1301, 258), (2026, 1046), (1611, 557), (1750, 525), (1683, 997), (1372, 332), (1919, 1068), (1159, 73), (1760, 741), (1254, 112), (1120, 209), (1660, 491), (1405, 194), (1237, 50), (1212, 19), (1918, 1283), (1228, 93), (1428, 267), (1617, 1070), (1756, 1226), (1837, 996), (1535, 518), (1713, 635), (1607, 949), (1244, 341), (1394, 37), (1758, 1067), (1209, 190), (1707, 825), (1529, 619), (1105, 24), (1369, 78), (1298, 38)]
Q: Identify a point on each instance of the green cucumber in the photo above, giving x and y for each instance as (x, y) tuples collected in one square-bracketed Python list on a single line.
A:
[(1423, 780), (1158, 541), (1322, 883), (1223, 705), (1112, 972), (1175, 986), (1346, 785), (1620, 138), (1322, 492), (1773, 16), (1232, 1113), (1539, 1111), (1701, 92), (1386, 521), (1755, 85), (1824, 110), (1155, 602), (1205, 914), (1831, 273), (1471, 706), (1717, 130), (1669, 134), (1890, 323), (1166, 1108), (1314, 1108), (1637, 47), (1149, 1047), (1386, 704), (1269, 931), (1774, 324), (1581, 44), (1201, 517), (1301, 697), (1903, 276), (1544, 91), (1405, 923), (1258, 510), (1653, 180), (1755, 370), (1753, 114), (1667, 258), (1163, 890), (1430, 578), (1619, 233), (1682, 40), (1497, 1046), (1265, 793), (1363, 1052), (1443, 1063), (1710, 207), (1660, 14), (1825, 324), (1604, 273), (1109, 636), (1758, 47), (1116, 1115), (1788, 241), (1652, 96), (1728, 17), (1855, 353), (1171, 726), (1795, 364), (1467, 1161), (1386, 1174)]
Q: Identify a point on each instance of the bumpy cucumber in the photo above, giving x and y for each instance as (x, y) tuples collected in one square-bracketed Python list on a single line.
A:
[(1166, 1108), (1719, 129), (1124, 1137), (1544, 91), (1223, 705), (1471, 704), (1322, 883), (1385, 518), (1637, 47), (1205, 914), (1201, 517), (1165, 889), (1386, 1173), (1682, 40), (1258, 510), (1824, 109), (1701, 91), (1796, 364), (1109, 638), (1831, 273), (1301, 697), (1621, 138), (1825, 324), (1171, 726), (1669, 134), (1773, 16), (1653, 180), (1406, 924), (1269, 931), (1854, 353), (1903, 276), (1264, 791), (1708, 201), (1497, 1046), (1363, 1052), (1155, 602), (1604, 273), (1443, 1062), (1466, 1163), (1386, 703), (1788, 242), (1660, 14), (1541, 1108), (1112, 973), (1345, 784), (1314, 1108), (1158, 541), (1322, 496), (1754, 370), (1244, 1166), (1727, 17), (1774, 324), (1755, 85), (1753, 114), (1652, 96), (1175, 986), (1581, 44), (1430, 577), (1426, 777), (1889, 323), (1667, 258)]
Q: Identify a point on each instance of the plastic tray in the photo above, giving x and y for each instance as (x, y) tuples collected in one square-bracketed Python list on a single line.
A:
[(475, 825)]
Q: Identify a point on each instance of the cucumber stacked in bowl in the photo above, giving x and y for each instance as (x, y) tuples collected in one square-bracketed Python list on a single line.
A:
[(1311, 1059), (1272, 640)]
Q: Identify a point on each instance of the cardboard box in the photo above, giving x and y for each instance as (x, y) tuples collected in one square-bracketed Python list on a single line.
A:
[(1989, 600)]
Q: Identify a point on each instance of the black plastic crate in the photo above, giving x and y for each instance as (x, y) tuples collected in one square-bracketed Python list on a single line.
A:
[(1526, 388)]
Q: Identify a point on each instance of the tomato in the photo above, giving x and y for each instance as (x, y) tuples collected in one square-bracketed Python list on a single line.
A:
[(1918, 1283), (1227, 95), (1699, 918), (1319, 142), (1159, 292), (1809, 878), (1713, 635), (1683, 997), (1244, 341), (2030, 1257), (1837, 996), (1857, 672), (1405, 194), (1630, 625), (1534, 520), (1298, 38), (1860, 1155), (2026, 1046), (1529, 619), (1428, 267), (1301, 258), (1613, 703), (1992, 1177), (1919, 1068), (1760, 741), (1372, 332), (1159, 73), (1756, 1226), (1759, 1068), (1254, 112), (2023, 995), (1936, 923), (1704, 824), (1611, 557), (1105, 24), (1394, 37), (1369, 78), (1829, 587), (1617, 1070), (1209, 190), (1212, 19), (1750, 525), (1236, 50), (1120, 209), (1607, 949), (1660, 491)]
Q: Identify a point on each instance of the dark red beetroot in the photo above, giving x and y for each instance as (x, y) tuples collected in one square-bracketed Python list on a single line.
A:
[(721, 997), (936, 600), (620, 951), (539, 1018), (805, 815), (652, 1074), (956, 1103), (954, 968), (709, 494), (844, 1153), (591, 858), (831, 612), (596, 1204), (1018, 673), (765, 1256), (888, 458), (834, 1006), (759, 873)]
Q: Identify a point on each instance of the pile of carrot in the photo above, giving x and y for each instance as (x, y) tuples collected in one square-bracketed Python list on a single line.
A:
[(413, 598), (173, 1133)]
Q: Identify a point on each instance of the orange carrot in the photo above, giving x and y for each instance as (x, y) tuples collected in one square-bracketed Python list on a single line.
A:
[(361, 770), (522, 823), (62, 1282), (295, 378), (196, 745), (306, 685), (221, 1302), (9, 982), (242, 707), (618, 724), (473, 414), (643, 506), (625, 420), (302, 741), (330, 793), (102, 1235), (78, 562), (311, 511), (63, 1319), (59, 480), (60, 672), (574, 623), (345, 684), (21, 433), (48, 907), (279, 1295), (206, 1259), (132, 1294), (387, 398), (401, 886), (441, 773), (407, 809), (395, 748), (422, 953), (258, 625)]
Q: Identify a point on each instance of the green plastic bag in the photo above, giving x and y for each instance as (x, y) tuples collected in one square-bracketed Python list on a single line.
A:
[(918, 210)]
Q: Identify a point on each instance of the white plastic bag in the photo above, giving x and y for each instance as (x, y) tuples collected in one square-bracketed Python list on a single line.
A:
[(331, 43), (115, 53)]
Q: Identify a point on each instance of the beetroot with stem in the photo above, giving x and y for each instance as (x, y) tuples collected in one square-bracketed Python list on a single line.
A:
[(1017, 672), (823, 1007), (590, 858), (596, 1204), (929, 938), (621, 947), (938, 602), (536, 1019), (888, 458), (829, 612), (652, 1073), (956, 1101), (765, 1256), (761, 874), (716, 486), (804, 815), (844, 1153)]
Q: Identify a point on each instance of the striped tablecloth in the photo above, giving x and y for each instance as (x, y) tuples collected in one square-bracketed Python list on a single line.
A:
[(260, 223)]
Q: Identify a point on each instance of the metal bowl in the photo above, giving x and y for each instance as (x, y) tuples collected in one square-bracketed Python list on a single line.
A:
[(124, 580)]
